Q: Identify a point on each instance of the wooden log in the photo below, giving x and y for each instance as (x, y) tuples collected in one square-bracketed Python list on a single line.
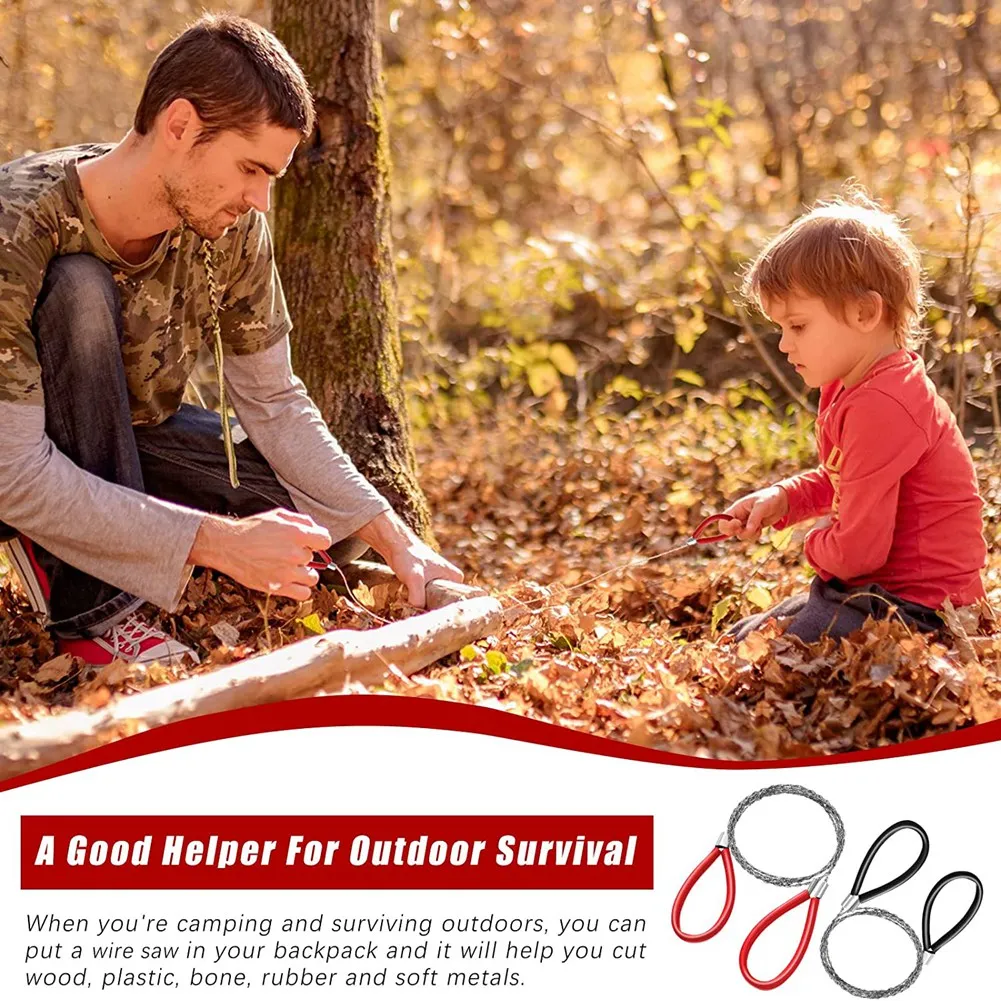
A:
[(318, 664)]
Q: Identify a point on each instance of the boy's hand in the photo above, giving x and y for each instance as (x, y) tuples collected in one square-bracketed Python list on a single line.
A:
[(748, 516)]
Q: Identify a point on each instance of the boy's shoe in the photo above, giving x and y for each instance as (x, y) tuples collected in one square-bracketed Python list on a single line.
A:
[(132, 640)]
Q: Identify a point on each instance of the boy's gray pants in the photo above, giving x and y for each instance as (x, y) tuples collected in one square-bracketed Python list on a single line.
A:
[(829, 607)]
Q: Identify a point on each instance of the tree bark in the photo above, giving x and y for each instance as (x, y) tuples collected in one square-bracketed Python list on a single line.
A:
[(334, 248)]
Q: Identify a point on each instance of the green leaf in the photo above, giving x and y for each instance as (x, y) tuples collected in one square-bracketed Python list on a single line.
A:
[(757, 393), (496, 661), (543, 378), (313, 623), (624, 386), (469, 652), (684, 338), (563, 358), (712, 201), (687, 375), (723, 136), (720, 611), (780, 540), (536, 351), (760, 597)]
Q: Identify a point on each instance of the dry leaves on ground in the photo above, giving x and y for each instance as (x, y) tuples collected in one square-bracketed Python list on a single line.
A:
[(566, 524)]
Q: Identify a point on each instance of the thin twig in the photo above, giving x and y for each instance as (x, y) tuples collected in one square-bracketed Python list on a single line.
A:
[(667, 77), (266, 612)]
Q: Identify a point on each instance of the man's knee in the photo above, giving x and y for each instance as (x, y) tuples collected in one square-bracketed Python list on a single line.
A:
[(79, 294)]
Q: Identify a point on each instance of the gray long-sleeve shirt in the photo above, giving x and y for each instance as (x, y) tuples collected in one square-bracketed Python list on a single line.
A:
[(79, 517), (132, 541)]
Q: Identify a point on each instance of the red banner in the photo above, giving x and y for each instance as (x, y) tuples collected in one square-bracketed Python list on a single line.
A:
[(346, 853)]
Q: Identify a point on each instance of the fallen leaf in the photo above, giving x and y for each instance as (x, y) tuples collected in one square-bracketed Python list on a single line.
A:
[(228, 634), (55, 669), (311, 622), (753, 647), (720, 611), (96, 698)]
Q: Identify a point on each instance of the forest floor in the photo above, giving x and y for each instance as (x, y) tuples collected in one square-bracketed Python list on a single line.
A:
[(567, 522)]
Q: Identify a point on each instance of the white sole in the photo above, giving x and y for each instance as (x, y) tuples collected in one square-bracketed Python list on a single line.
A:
[(18, 558), (170, 658)]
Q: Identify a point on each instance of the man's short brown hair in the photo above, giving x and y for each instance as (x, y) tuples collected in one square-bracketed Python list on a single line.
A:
[(840, 250), (236, 74)]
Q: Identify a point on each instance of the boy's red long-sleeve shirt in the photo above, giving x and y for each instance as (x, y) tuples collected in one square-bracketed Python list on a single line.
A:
[(899, 483)]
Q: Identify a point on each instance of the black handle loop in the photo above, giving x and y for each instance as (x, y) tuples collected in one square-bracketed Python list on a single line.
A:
[(978, 897), (901, 825)]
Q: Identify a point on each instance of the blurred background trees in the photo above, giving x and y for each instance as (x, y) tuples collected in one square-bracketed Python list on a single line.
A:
[(576, 186)]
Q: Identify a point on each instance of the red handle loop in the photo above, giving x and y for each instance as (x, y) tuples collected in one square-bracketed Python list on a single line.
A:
[(697, 873), (804, 941), (705, 523)]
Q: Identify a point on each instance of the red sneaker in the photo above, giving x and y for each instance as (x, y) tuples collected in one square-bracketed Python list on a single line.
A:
[(131, 640)]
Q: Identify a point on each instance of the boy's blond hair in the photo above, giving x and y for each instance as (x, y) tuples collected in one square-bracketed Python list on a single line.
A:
[(843, 249)]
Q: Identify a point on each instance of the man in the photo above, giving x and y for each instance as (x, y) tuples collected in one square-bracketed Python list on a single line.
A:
[(116, 263)]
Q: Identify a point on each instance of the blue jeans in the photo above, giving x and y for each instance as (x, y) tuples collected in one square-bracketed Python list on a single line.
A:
[(77, 326)]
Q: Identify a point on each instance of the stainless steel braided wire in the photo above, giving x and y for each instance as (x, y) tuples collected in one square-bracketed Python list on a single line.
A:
[(780, 790), (861, 992)]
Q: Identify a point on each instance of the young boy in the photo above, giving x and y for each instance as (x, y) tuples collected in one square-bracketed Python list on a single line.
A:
[(896, 482)]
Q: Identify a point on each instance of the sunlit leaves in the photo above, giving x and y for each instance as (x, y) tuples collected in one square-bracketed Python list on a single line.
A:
[(542, 364), (543, 378), (688, 329), (618, 644), (721, 610), (563, 359), (759, 596), (638, 652), (312, 623)]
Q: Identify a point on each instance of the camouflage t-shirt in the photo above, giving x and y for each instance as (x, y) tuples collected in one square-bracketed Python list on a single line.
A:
[(166, 309)]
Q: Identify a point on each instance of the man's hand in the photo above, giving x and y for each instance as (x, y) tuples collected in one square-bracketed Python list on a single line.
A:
[(749, 515), (413, 561), (267, 552)]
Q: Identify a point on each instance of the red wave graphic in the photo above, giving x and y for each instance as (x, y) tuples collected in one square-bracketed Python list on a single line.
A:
[(430, 714)]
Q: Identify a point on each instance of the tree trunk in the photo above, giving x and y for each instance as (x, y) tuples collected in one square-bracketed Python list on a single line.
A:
[(334, 249)]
